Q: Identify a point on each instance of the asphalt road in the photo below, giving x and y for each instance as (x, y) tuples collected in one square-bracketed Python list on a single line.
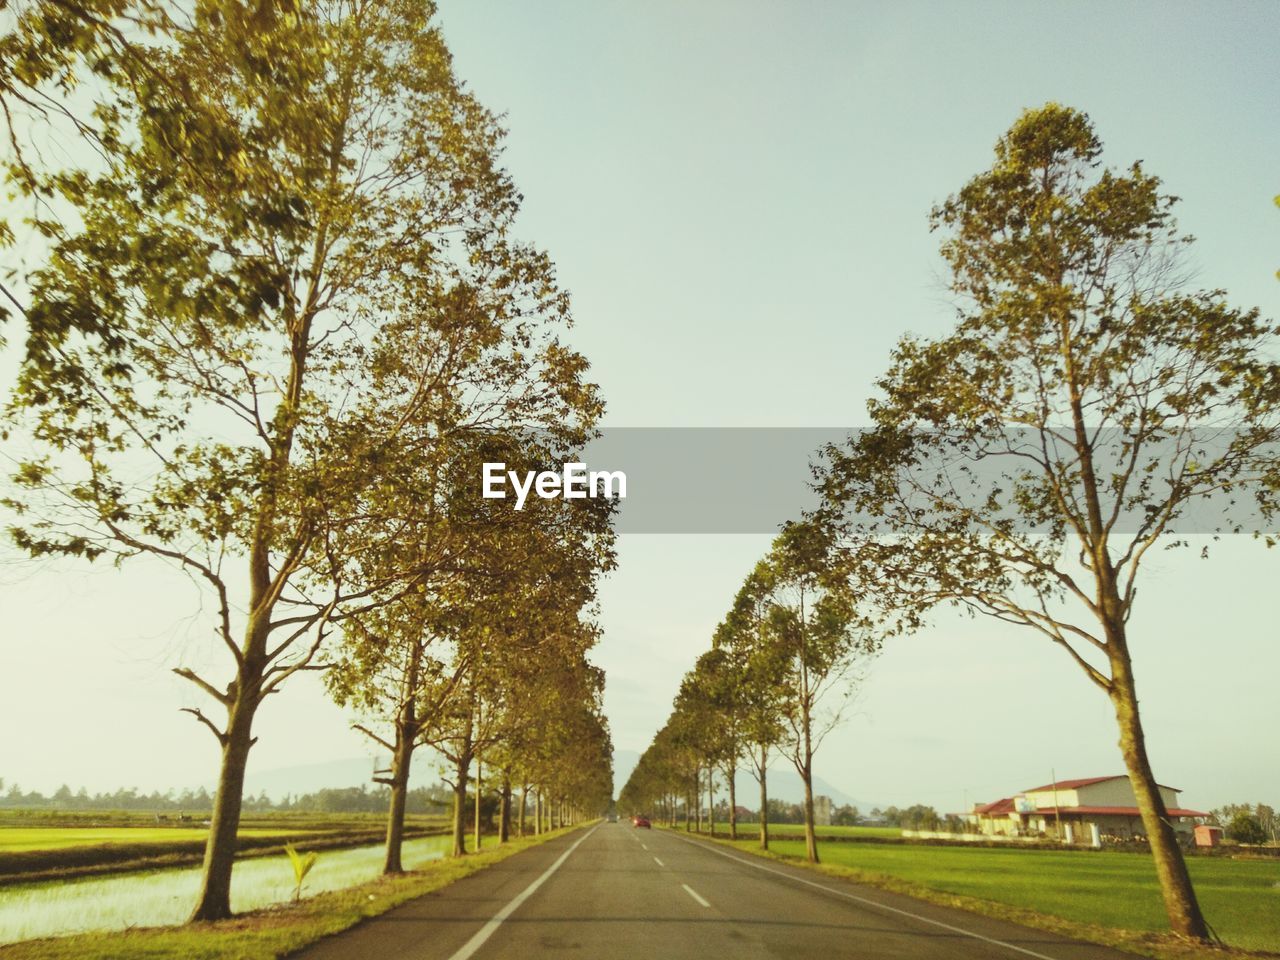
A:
[(613, 892)]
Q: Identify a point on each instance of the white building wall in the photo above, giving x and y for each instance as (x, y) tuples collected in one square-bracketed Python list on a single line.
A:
[(1118, 793), (1043, 799)]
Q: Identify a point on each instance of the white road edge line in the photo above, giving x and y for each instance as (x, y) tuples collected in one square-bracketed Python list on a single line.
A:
[(487, 931), (694, 893), (658, 862), (870, 903)]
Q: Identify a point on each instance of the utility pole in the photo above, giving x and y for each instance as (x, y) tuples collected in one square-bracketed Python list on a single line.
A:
[(1057, 816)]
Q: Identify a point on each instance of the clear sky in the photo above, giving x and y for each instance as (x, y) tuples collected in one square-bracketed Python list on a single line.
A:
[(736, 194)]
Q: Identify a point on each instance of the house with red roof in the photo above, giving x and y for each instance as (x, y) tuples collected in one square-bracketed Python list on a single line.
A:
[(1078, 811)]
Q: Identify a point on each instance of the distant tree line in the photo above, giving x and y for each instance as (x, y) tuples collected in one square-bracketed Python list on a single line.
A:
[(362, 799), (126, 798), (780, 811), (915, 817)]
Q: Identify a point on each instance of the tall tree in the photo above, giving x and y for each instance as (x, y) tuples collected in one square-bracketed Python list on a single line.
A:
[(720, 682), (283, 186), (1023, 466), (812, 627), (760, 673)]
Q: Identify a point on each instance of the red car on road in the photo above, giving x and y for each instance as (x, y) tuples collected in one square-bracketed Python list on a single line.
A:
[(641, 822)]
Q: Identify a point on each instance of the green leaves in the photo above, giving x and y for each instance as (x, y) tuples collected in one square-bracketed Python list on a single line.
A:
[(302, 864)]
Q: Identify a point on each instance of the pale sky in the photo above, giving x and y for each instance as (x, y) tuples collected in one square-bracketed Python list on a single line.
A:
[(736, 194)]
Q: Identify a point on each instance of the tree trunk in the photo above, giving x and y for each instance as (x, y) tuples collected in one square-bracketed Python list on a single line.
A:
[(806, 774), (524, 802), (806, 728), (400, 761), (711, 801), (214, 900), (395, 830), (733, 803), (764, 799), (695, 798), (1180, 901), (537, 813), (810, 837), (461, 770), (479, 784), (504, 811)]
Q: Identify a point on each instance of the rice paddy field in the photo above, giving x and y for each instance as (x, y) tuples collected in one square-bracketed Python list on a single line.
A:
[(163, 897), (1240, 898), (14, 839)]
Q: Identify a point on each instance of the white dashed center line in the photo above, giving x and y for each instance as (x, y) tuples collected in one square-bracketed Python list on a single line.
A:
[(658, 862), (694, 893)]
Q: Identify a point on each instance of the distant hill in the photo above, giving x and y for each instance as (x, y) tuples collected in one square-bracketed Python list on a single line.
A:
[(784, 784)]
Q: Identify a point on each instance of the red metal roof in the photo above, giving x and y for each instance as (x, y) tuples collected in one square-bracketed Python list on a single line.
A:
[(1115, 811), (1074, 784), (1004, 805)]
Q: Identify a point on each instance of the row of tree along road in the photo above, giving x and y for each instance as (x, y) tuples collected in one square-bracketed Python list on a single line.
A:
[(1085, 408), (277, 322)]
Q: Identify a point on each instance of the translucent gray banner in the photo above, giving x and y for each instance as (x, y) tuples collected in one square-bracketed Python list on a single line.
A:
[(752, 480)]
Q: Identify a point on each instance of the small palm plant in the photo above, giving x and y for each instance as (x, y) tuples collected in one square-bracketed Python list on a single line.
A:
[(302, 864)]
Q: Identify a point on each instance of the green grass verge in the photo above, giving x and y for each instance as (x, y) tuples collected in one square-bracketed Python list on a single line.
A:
[(275, 932), (1110, 898)]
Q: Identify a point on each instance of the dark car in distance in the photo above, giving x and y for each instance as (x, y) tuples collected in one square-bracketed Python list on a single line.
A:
[(641, 822)]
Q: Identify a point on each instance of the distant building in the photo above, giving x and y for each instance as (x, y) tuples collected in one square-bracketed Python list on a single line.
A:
[(1077, 811), (822, 811), (1208, 836)]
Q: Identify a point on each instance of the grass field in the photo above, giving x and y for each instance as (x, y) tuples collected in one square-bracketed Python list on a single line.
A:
[(797, 829), (1240, 898), (13, 839)]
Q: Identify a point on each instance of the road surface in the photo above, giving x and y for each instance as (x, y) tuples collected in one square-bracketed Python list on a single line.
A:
[(614, 892)]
